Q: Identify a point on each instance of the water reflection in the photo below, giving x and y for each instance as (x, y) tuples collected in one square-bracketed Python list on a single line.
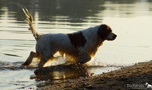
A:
[(60, 73), (56, 74)]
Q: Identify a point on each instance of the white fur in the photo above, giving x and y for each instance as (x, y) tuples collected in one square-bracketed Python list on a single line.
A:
[(48, 44)]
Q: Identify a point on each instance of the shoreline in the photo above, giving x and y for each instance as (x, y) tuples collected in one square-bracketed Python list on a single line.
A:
[(136, 76)]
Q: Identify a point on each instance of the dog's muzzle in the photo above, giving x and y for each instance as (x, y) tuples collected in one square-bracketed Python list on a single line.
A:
[(111, 36), (114, 37)]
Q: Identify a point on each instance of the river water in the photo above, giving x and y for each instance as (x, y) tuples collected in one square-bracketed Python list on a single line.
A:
[(130, 19)]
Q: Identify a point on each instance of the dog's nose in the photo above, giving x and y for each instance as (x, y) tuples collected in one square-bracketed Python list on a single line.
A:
[(114, 37)]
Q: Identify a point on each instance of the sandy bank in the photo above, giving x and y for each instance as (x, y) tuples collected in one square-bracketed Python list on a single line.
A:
[(132, 77)]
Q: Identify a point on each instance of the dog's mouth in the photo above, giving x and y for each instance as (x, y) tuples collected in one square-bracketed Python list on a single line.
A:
[(111, 37)]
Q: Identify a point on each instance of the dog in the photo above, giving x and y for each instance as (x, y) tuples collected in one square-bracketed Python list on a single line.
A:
[(81, 45)]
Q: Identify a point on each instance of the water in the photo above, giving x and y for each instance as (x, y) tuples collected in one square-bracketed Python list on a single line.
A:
[(130, 20)]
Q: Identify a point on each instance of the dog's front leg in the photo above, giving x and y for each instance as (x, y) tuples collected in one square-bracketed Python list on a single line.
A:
[(83, 57), (29, 59)]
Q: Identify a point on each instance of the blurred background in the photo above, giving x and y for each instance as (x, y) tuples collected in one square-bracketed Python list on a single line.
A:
[(130, 19)]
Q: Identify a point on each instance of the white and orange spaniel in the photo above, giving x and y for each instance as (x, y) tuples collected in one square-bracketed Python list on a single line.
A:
[(80, 45)]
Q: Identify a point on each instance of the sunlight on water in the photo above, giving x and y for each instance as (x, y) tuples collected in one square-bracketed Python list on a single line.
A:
[(130, 20)]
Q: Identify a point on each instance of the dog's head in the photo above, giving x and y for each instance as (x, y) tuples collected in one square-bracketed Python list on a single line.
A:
[(105, 32)]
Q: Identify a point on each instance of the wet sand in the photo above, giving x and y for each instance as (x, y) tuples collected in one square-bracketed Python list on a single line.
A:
[(126, 78)]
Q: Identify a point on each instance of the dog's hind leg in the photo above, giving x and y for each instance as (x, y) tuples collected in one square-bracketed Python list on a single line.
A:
[(30, 58), (44, 57), (46, 53), (43, 60)]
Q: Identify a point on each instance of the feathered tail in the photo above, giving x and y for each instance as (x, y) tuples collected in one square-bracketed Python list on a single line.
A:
[(29, 19), (30, 22)]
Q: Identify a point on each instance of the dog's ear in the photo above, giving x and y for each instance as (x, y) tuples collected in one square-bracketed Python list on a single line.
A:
[(103, 31)]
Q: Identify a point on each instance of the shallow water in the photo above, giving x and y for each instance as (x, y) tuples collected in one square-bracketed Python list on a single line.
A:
[(130, 20)]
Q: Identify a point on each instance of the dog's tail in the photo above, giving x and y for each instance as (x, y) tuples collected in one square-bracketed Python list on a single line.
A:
[(29, 19), (30, 22)]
